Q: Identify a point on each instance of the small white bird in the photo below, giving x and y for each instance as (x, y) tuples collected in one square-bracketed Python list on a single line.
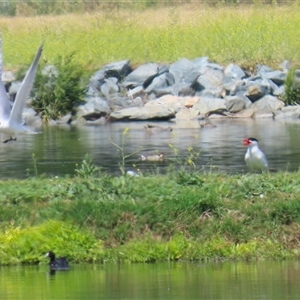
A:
[(255, 158), (11, 116)]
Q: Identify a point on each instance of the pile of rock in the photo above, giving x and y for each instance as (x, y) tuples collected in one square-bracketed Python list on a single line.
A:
[(186, 89)]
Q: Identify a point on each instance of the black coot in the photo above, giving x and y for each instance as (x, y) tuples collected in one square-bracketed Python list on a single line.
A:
[(60, 263)]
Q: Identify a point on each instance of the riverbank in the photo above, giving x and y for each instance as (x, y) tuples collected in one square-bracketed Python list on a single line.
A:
[(187, 84), (184, 215)]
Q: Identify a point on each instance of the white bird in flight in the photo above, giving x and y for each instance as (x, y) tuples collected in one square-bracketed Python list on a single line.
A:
[(11, 116), (255, 158)]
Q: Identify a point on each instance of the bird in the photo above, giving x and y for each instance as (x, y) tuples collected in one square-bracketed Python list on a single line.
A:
[(11, 116), (132, 173), (255, 159), (150, 129), (154, 157), (60, 263)]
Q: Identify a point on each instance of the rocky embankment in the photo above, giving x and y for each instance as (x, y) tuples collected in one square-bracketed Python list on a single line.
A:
[(184, 90)]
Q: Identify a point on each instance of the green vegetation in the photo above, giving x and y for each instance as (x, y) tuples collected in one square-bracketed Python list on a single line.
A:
[(188, 215), (292, 88), (58, 91), (246, 35)]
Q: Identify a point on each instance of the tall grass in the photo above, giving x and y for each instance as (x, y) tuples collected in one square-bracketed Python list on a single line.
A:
[(245, 34)]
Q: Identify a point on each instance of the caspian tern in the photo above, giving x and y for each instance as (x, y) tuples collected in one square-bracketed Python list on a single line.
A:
[(11, 116), (255, 158)]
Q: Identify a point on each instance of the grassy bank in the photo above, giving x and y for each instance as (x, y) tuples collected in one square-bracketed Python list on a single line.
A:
[(182, 215), (244, 34)]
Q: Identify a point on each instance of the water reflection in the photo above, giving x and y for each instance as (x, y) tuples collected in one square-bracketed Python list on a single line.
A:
[(255, 280), (58, 149)]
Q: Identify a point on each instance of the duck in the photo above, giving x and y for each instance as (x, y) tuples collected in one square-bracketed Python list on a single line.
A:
[(150, 128), (60, 263), (154, 157)]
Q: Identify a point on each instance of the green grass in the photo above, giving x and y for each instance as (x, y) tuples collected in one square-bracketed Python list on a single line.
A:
[(245, 34), (100, 218)]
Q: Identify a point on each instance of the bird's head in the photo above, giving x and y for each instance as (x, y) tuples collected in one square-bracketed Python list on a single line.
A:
[(250, 141)]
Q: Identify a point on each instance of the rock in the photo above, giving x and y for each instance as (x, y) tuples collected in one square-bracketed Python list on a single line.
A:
[(279, 91), (210, 82), (234, 88), (96, 80), (237, 103), (184, 71), (172, 103), (200, 64), (31, 118), (117, 69), (206, 105), (185, 74), (109, 87), (13, 89), (234, 72), (187, 114), (8, 76), (140, 75), (152, 111), (104, 120), (135, 92), (255, 91), (65, 119), (267, 104), (94, 108), (278, 77), (117, 103), (160, 82), (288, 112), (246, 113)]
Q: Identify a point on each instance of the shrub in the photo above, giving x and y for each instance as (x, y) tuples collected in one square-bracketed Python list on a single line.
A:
[(292, 88), (58, 91)]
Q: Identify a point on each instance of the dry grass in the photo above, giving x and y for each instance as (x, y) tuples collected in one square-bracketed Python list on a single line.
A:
[(247, 35)]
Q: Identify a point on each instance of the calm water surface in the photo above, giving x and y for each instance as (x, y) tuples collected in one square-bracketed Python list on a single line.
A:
[(261, 280), (58, 149)]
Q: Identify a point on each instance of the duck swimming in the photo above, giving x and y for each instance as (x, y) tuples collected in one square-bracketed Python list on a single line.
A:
[(60, 263), (150, 129), (154, 157)]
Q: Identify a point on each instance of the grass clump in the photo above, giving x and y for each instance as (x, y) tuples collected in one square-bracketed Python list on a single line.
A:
[(292, 88), (29, 245)]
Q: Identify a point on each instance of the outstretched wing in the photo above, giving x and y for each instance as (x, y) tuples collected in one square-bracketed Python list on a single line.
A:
[(24, 91), (5, 106)]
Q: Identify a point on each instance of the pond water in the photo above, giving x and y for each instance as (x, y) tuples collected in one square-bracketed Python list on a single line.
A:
[(57, 150), (255, 280)]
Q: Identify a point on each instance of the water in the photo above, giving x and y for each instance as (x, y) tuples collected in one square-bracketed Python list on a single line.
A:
[(58, 149), (258, 280)]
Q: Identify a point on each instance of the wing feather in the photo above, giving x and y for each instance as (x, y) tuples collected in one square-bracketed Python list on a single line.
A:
[(5, 106), (24, 91)]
